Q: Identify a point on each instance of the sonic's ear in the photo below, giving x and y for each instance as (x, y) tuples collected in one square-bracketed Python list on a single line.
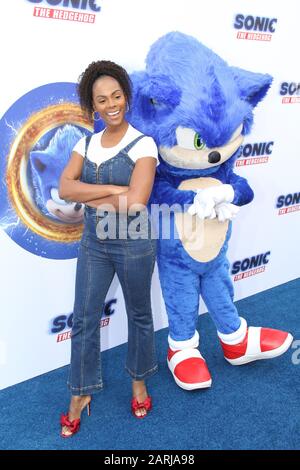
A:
[(253, 86), (154, 95), (36, 160)]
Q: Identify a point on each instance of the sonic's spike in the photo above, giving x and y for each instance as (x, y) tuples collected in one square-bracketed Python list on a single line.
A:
[(215, 103)]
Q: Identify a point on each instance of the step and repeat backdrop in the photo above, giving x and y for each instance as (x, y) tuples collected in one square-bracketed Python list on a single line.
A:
[(45, 46)]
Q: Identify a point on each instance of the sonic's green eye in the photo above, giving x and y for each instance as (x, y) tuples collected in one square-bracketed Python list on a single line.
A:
[(199, 143), (188, 139)]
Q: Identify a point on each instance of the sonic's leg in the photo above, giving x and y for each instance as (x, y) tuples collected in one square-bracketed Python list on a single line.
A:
[(217, 293), (240, 343), (180, 288)]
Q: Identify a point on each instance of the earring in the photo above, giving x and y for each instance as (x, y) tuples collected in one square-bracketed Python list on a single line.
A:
[(127, 108), (96, 116)]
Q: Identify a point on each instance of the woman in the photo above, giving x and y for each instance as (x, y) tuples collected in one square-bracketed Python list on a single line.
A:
[(112, 173)]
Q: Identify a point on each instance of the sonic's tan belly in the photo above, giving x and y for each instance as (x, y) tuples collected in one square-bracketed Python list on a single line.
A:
[(202, 239)]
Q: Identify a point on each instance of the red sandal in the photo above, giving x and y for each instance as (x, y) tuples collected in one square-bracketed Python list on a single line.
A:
[(135, 406), (73, 426)]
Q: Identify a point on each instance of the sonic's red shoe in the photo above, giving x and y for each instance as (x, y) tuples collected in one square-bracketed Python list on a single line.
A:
[(189, 369), (259, 343)]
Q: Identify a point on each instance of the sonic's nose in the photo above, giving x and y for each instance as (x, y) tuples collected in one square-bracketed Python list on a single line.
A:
[(77, 206), (214, 157)]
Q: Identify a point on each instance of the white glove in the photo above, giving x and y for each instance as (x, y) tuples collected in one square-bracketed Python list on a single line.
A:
[(226, 211), (206, 200)]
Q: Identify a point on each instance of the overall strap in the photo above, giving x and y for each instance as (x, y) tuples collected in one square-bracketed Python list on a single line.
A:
[(87, 143), (131, 144)]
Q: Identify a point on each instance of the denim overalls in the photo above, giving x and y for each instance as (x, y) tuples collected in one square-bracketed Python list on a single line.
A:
[(98, 261)]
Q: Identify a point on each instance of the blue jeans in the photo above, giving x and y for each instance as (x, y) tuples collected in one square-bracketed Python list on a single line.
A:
[(98, 261)]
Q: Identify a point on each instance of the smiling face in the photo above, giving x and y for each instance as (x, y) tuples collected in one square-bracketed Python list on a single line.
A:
[(109, 101)]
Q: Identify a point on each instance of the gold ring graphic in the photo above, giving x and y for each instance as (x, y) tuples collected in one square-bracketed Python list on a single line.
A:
[(34, 128)]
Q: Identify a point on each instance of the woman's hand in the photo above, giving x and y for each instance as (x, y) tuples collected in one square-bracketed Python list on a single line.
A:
[(137, 193), (71, 189), (119, 189)]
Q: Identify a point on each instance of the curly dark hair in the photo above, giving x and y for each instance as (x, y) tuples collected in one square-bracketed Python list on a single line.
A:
[(92, 73)]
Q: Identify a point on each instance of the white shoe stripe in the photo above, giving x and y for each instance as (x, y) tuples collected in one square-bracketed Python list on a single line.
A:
[(253, 344), (263, 355), (181, 356)]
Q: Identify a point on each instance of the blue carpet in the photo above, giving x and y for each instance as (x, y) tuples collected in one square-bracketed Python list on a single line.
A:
[(255, 406)]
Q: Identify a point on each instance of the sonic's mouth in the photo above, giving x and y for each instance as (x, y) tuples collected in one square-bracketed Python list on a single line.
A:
[(69, 219), (65, 213), (192, 153)]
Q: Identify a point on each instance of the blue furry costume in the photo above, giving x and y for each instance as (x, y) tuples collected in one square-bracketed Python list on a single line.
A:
[(194, 89), (197, 108)]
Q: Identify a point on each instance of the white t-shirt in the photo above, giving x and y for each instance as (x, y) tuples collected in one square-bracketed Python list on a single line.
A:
[(145, 147)]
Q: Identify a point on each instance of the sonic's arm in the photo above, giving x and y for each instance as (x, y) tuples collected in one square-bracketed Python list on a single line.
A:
[(164, 193), (243, 194)]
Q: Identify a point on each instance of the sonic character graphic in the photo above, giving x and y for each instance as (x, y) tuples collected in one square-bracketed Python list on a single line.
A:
[(46, 167)]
